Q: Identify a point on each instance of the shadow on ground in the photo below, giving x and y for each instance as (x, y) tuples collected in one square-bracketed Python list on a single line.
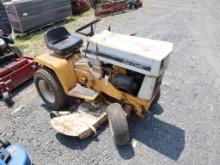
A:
[(70, 104), (23, 86), (20, 88), (163, 137), (75, 143)]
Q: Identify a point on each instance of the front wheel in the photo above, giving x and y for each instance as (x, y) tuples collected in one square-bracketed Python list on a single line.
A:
[(50, 89), (118, 124)]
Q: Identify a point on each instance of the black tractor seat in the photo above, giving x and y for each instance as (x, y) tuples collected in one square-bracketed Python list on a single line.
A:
[(61, 41)]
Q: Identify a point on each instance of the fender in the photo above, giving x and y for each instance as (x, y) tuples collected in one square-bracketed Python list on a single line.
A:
[(63, 68)]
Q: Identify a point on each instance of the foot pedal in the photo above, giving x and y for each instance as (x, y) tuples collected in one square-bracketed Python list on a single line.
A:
[(83, 93)]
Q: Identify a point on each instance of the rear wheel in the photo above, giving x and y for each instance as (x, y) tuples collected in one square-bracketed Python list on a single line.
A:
[(118, 124), (50, 89)]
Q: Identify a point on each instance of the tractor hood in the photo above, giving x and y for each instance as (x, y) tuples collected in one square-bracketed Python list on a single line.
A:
[(146, 56)]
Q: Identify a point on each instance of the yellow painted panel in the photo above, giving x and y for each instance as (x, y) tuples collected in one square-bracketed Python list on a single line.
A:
[(63, 68), (139, 105)]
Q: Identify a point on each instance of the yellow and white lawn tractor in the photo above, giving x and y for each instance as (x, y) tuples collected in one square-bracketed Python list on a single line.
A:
[(112, 76)]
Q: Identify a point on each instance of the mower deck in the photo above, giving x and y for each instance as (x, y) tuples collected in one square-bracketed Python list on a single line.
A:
[(82, 122), (15, 72)]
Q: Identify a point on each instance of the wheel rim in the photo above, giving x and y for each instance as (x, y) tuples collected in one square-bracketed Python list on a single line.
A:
[(47, 91)]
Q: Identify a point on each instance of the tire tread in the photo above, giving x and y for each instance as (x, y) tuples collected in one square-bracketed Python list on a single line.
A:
[(50, 77)]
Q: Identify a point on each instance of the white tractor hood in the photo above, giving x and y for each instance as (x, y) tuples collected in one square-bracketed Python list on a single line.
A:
[(146, 56)]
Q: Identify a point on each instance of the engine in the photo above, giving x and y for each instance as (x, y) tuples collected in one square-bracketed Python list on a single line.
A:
[(124, 82), (143, 61), (7, 50), (2, 46), (123, 79)]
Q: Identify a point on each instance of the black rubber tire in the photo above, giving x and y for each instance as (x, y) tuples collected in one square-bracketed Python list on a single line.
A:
[(7, 98), (156, 98), (4, 142), (136, 6), (52, 81), (140, 4), (118, 124)]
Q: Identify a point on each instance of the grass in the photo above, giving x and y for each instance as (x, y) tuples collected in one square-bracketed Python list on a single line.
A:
[(33, 45)]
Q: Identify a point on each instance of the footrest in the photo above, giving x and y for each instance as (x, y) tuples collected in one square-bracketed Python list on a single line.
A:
[(83, 93)]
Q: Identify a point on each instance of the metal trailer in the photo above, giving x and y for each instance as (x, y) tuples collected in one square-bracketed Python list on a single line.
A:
[(44, 12), (16, 73), (110, 8), (4, 23)]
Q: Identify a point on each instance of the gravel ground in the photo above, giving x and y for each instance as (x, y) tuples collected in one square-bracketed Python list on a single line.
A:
[(185, 128)]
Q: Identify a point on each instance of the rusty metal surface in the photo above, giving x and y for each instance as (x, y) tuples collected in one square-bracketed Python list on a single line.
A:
[(16, 73), (80, 6), (82, 122), (83, 92), (109, 8)]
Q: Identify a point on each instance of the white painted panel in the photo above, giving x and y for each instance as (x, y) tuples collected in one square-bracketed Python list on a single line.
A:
[(147, 88), (106, 60), (145, 52)]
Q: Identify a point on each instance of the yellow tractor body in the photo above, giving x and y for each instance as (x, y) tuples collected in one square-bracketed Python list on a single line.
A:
[(123, 73), (70, 74)]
